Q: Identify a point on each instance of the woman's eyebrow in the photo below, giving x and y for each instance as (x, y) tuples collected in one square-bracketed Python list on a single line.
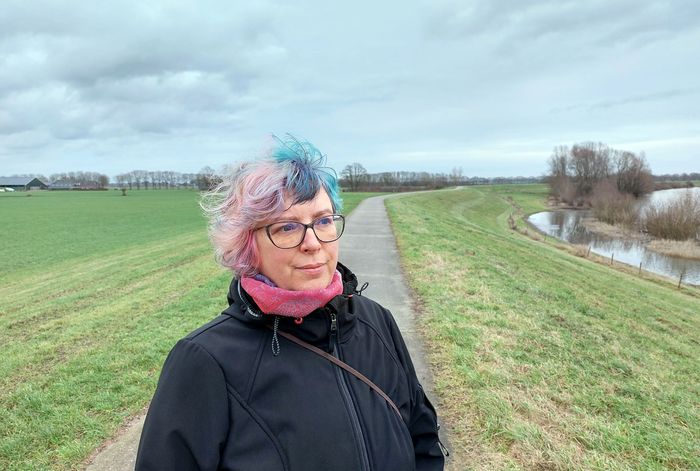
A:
[(319, 213), (323, 212)]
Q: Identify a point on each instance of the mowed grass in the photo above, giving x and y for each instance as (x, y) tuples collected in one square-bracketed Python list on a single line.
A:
[(545, 360), (95, 290), (44, 228)]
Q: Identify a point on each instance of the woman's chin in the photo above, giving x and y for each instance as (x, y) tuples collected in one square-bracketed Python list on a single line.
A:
[(307, 283)]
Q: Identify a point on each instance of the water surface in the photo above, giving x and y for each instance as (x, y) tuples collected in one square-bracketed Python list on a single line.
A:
[(567, 225)]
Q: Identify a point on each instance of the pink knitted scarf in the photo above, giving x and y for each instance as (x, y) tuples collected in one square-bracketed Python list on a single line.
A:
[(273, 300)]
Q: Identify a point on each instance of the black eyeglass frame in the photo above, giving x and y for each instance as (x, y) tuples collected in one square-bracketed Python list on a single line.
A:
[(306, 228)]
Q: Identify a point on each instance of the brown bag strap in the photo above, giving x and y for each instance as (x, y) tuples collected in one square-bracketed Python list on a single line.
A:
[(343, 365)]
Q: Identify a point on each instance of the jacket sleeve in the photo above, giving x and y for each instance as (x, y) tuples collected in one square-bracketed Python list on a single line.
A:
[(422, 423), (188, 419)]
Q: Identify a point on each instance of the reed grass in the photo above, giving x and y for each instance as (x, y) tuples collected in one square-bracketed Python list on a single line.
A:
[(678, 219)]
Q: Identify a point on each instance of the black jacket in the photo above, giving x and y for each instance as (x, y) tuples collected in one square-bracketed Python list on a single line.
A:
[(226, 402)]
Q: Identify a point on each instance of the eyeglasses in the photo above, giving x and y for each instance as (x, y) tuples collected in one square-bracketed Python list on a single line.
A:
[(290, 234)]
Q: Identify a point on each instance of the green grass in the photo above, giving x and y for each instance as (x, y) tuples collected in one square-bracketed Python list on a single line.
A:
[(96, 288), (545, 360), (44, 228), (352, 199)]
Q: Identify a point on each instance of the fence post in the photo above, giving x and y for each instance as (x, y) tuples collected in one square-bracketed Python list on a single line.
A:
[(640, 268), (612, 258), (680, 279)]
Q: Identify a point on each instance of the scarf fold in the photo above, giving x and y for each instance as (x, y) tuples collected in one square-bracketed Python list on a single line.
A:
[(273, 300)]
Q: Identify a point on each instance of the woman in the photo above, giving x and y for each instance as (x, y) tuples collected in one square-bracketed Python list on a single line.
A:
[(246, 391)]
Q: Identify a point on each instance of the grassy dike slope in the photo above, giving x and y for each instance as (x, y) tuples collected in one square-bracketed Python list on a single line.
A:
[(95, 290), (544, 360)]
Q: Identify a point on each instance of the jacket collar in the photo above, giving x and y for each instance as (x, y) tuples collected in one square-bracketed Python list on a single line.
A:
[(315, 327)]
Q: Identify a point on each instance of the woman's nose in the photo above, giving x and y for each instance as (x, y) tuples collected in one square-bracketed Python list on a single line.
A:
[(310, 241)]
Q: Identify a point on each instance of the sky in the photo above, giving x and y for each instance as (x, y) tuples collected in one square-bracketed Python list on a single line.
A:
[(488, 86)]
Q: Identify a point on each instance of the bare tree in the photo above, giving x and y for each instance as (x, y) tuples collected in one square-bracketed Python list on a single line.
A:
[(560, 182), (456, 175), (354, 174), (589, 163), (207, 178), (139, 177), (633, 173)]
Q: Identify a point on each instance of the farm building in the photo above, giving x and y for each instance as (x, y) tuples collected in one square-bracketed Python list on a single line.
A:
[(72, 185), (22, 183)]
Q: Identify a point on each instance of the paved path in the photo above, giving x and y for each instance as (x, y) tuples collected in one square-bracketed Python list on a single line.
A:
[(368, 248)]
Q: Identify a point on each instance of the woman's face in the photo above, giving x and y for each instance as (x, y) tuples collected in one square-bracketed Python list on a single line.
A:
[(308, 266)]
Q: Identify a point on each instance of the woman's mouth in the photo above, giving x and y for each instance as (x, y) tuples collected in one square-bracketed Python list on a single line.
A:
[(312, 268)]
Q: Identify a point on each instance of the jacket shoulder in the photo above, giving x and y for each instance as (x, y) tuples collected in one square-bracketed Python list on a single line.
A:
[(235, 346), (212, 324)]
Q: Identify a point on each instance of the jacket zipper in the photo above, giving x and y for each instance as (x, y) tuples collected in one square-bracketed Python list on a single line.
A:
[(345, 391)]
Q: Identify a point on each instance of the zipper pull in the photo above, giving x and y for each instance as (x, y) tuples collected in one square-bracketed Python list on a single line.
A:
[(334, 332), (334, 324)]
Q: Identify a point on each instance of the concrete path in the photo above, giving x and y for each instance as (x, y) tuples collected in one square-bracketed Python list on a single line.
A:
[(368, 248)]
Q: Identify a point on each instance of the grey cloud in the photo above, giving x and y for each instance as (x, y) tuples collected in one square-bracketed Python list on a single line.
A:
[(628, 100), (153, 80), (138, 66), (650, 97), (593, 22)]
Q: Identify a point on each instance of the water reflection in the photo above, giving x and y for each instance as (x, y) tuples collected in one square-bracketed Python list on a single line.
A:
[(567, 225), (665, 196)]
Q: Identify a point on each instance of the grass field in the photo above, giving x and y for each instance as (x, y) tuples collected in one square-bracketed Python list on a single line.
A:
[(95, 290), (545, 360)]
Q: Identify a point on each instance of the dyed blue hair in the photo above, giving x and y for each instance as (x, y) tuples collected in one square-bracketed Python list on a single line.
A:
[(306, 171), (257, 192)]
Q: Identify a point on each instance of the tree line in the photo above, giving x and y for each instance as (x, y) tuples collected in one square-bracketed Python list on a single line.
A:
[(205, 179), (166, 179), (354, 177), (89, 180)]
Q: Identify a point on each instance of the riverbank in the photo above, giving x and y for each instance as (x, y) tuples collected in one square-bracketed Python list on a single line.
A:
[(686, 249), (545, 360)]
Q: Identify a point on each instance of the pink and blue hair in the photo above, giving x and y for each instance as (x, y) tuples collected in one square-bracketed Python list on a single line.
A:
[(257, 192)]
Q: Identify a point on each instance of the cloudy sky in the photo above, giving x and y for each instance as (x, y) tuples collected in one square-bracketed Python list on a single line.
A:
[(489, 86)]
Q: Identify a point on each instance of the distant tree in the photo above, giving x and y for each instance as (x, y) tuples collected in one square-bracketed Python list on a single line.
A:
[(354, 174), (576, 174), (456, 175), (207, 178), (632, 173), (588, 164), (388, 179), (121, 180), (560, 182), (138, 177)]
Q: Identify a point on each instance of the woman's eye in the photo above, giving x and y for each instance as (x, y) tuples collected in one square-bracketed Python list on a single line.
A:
[(290, 227), (283, 228), (324, 221)]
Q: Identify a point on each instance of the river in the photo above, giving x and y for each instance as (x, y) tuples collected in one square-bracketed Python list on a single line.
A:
[(566, 225)]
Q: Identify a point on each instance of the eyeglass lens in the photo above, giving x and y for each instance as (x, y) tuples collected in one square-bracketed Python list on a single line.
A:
[(289, 234)]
